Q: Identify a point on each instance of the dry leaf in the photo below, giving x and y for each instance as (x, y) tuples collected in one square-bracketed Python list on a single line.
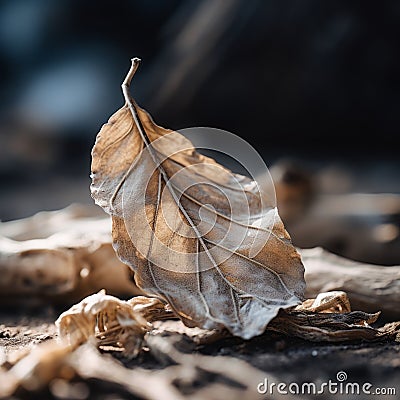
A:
[(192, 245), (327, 302), (333, 327), (328, 318), (113, 322)]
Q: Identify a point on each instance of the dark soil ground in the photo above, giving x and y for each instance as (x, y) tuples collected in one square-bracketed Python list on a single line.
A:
[(288, 359)]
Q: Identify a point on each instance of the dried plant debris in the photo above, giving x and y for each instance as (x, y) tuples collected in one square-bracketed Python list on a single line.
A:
[(111, 322), (327, 302), (66, 373), (323, 327), (139, 324), (123, 324), (187, 243), (328, 318)]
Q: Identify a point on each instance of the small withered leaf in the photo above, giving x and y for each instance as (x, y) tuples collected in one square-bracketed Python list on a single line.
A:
[(188, 226)]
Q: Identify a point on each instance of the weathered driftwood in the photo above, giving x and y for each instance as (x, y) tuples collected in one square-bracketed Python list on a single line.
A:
[(370, 288), (60, 256), (67, 254)]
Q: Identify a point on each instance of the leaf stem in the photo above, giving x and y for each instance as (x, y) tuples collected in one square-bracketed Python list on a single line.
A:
[(130, 103), (127, 81)]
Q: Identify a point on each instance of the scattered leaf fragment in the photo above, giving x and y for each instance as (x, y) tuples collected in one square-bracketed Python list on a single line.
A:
[(333, 327), (113, 322)]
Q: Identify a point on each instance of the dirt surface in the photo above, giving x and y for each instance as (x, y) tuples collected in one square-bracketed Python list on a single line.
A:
[(18, 331), (288, 360)]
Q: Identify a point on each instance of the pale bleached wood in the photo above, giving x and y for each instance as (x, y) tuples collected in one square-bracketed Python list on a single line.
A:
[(60, 256), (370, 288), (77, 240)]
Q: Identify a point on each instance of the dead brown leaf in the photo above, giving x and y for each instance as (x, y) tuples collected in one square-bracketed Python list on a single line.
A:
[(187, 226)]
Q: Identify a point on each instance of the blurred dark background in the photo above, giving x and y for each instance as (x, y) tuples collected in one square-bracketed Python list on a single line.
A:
[(308, 81)]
